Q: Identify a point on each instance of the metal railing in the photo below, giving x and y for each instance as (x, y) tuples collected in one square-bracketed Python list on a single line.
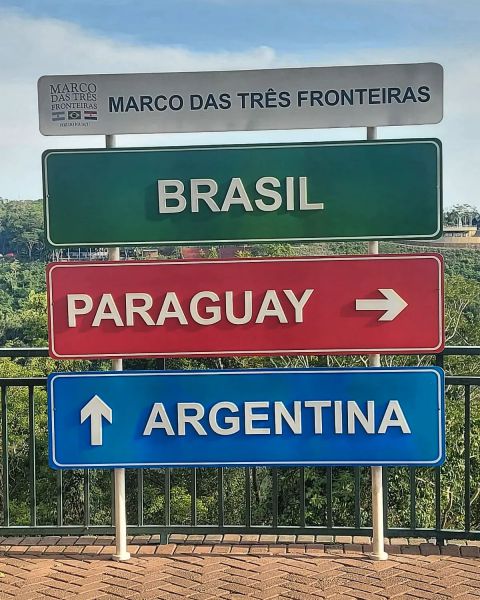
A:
[(441, 503)]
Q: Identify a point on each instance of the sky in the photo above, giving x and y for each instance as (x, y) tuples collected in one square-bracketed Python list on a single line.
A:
[(53, 37)]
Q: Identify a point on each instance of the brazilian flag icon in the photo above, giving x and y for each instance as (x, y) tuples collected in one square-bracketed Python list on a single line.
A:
[(74, 115)]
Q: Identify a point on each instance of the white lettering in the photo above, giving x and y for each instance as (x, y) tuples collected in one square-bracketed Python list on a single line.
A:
[(206, 196), (236, 187), (247, 313), (317, 406), (355, 412), (250, 417), (210, 310), (73, 310), (394, 408), (304, 205), (234, 422), (141, 311), (107, 310), (176, 195), (271, 298), (193, 420), (171, 300), (298, 303), (268, 193), (337, 406), (158, 410), (282, 414)]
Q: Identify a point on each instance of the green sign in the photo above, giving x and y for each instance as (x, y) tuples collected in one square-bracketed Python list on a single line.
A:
[(261, 193)]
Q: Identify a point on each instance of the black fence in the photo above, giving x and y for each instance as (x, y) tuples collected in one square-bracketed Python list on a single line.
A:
[(441, 503)]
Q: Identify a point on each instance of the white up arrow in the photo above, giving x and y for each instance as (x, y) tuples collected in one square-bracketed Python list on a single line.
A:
[(393, 304), (94, 410)]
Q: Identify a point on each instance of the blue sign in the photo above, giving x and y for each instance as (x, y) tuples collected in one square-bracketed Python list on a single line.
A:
[(382, 416)]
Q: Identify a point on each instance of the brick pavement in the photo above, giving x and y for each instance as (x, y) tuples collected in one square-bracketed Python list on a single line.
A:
[(234, 567)]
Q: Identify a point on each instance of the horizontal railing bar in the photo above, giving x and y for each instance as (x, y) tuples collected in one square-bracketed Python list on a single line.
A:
[(461, 350), (41, 381), (23, 352), (43, 352), (23, 381), (462, 380)]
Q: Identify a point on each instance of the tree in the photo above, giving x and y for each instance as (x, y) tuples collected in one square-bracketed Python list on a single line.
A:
[(462, 215)]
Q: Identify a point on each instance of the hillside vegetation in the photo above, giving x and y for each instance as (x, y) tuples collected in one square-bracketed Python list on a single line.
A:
[(23, 323)]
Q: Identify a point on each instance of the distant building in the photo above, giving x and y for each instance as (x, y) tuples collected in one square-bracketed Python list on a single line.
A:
[(460, 235)]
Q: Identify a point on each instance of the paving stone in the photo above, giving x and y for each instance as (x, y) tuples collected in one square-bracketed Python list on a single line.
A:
[(268, 538), (195, 538), (68, 540), (410, 549), (258, 549), (147, 549), (429, 549), (29, 541), (55, 549), (86, 540), (175, 538), (37, 549), (16, 549), (305, 539), (324, 539), (473, 551), (249, 538), (450, 550), (184, 549), (239, 550), (165, 549), (286, 539), (12, 540), (141, 539), (203, 549), (344, 539), (213, 538), (353, 547), (49, 540), (105, 540), (458, 542), (244, 571), (416, 541), (334, 548), (363, 539), (231, 538)]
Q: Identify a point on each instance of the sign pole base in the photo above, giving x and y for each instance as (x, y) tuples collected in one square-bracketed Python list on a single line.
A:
[(120, 518)]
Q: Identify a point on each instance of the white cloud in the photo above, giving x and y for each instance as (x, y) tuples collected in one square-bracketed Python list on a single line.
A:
[(36, 47)]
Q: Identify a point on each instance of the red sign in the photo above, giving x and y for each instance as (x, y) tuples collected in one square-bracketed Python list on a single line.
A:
[(331, 305)]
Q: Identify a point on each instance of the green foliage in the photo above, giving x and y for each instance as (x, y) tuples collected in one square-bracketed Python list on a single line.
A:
[(21, 228), (23, 323), (461, 214)]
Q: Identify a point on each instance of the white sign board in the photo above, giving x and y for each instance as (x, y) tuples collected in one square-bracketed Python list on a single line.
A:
[(306, 98)]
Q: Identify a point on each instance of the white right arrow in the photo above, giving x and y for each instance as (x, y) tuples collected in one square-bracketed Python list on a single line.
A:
[(94, 410), (393, 304)]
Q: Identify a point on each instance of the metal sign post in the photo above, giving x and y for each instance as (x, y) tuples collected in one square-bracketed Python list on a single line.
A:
[(119, 474), (377, 478)]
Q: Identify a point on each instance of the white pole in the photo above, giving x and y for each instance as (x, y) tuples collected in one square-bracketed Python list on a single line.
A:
[(377, 483), (120, 502)]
